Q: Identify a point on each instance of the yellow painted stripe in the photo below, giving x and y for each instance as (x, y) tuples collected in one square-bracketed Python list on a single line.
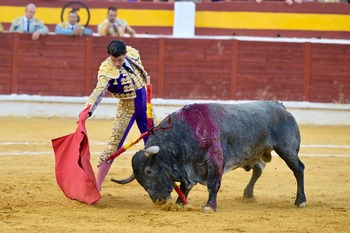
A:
[(164, 18), (266, 20), (160, 18), (203, 19)]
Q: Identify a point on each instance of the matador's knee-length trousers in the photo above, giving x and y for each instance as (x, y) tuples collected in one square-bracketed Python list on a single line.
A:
[(128, 110)]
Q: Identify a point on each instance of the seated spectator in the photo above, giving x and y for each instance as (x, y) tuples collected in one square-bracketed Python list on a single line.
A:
[(72, 27), (28, 24), (112, 26), (289, 2), (1, 28)]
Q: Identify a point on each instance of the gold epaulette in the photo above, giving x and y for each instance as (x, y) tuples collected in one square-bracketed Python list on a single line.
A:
[(108, 69), (133, 53)]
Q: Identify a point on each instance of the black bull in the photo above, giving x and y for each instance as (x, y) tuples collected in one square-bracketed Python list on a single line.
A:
[(206, 140)]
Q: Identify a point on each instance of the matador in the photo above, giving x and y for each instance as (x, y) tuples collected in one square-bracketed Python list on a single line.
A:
[(124, 77)]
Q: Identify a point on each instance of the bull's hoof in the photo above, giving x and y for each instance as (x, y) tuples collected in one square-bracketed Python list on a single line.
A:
[(302, 205), (249, 199), (249, 196), (248, 192), (169, 206), (208, 209)]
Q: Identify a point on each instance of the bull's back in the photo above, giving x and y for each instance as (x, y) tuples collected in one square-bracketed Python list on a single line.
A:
[(251, 129), (252, 115), (243, 130)]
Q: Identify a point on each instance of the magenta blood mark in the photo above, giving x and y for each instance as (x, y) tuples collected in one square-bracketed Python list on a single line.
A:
[(206, 132)]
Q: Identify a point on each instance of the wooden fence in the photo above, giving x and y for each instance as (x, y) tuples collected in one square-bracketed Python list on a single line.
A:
[(208, 69)]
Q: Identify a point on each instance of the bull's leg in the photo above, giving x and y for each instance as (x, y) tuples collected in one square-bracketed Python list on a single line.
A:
[(257, 171), (298, 169), (214, 184), (215, 171), (294, 163)]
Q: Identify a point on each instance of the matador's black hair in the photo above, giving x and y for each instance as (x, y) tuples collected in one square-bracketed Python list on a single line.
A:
[(116, 48)]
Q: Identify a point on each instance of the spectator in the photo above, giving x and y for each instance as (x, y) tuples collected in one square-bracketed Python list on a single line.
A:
[(1, 28), (72, 28), (289, 2), (112, 26), (123, 75), (29, 24)]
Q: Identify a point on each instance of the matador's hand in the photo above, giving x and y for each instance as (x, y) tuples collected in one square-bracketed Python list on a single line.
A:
[(85, 113)]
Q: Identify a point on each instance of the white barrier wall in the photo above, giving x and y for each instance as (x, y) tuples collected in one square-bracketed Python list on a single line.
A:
[(45, 106), (184, 19)]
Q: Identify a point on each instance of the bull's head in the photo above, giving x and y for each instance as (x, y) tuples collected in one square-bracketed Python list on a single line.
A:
[(152, 173)]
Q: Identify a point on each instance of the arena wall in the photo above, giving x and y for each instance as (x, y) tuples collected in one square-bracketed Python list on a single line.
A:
[(289, 61), (207, 68), (226, 18), (306, 113)]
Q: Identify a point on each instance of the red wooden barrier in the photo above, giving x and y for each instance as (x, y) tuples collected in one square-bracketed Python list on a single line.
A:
[(270, 18), (209, 69)]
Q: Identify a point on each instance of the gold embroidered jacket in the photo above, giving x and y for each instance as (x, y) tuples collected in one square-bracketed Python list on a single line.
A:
[(120, 83), (119, 28)]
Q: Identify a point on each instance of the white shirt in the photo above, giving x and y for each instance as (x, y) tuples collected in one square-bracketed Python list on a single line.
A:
[(26, 22), (127, 63)]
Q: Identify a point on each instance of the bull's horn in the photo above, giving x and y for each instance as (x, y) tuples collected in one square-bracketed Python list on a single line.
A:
[(125, 181), (151, 150)]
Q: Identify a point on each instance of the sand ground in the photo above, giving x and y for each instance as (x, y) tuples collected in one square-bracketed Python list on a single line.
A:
[(31, 201)]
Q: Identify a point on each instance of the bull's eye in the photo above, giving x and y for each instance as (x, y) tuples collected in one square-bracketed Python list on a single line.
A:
[(149, 171)]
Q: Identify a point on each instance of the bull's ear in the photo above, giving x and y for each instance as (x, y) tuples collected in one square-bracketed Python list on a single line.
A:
[(151, 150)]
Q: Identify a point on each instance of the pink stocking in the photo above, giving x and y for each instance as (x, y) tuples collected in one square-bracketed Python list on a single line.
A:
[(102, 172)]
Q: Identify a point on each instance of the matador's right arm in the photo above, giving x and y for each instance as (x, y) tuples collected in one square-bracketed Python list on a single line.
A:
[(107, 71)]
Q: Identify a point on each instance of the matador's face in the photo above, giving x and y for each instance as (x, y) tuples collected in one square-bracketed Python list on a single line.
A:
[(118, 61)]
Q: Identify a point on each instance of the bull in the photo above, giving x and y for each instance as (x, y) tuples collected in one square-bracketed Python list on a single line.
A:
[(205, 141)]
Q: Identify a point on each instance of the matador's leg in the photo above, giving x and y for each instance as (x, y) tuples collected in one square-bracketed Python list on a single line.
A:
[(121, 127), (141, 113), (122, 124)]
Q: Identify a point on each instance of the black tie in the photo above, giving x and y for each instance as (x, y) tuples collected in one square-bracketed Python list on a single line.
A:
[(127, 68), (28, 23)]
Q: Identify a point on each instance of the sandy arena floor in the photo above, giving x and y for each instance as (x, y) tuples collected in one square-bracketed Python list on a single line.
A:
[(31, 201)]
